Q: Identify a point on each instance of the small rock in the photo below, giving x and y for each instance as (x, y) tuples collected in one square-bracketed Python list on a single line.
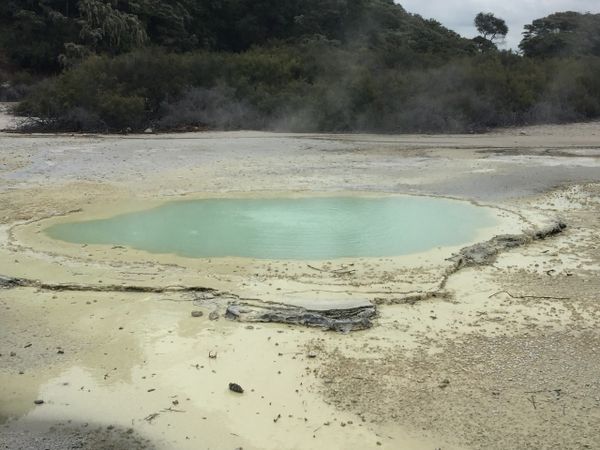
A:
[(312, 354), (13, 354), (234, 387), (38, 402), (197, 313), (444, 384), (148, 131), (214, 315)]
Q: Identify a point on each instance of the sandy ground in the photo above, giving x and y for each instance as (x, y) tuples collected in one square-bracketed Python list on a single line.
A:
[(507, 356)]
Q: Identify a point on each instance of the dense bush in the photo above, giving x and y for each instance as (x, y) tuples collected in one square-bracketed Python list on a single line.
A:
[(47, 35), (303, 89), (562, 34), (303, 65)]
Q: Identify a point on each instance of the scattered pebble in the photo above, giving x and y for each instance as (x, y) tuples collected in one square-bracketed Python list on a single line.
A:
[(444, 384), (234, 387)]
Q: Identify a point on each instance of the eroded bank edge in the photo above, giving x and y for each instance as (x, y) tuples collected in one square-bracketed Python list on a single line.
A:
[(338, 319)]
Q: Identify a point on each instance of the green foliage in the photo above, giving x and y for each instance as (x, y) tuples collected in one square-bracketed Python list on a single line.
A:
[(304, 65), (116, 110), (106, 28), (562, 34), (33, 32), (302, 89), (45, 35), (490, 27)]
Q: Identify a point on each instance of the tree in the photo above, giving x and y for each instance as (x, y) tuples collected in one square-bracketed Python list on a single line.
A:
[(33, 32), (562, 34), (484, 45), (106, 28), (490, 27)]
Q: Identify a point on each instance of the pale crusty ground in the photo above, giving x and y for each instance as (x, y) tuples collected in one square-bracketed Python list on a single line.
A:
[(508, 360), (517, 369)]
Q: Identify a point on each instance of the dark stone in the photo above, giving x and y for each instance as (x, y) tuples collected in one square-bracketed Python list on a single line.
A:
[(234, 387)]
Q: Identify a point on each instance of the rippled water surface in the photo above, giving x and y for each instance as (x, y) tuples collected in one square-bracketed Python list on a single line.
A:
[(314, 228)]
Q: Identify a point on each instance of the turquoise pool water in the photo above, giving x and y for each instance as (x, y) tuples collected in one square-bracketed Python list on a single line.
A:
[(285, 228)]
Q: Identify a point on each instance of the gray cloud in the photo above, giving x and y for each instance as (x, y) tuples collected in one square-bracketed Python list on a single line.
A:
[(458, 15)]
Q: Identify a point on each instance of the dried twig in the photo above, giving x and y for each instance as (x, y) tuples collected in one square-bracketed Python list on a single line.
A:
[(151, 417), (341, 271), (532, 400), (171, 409), (544, 297)]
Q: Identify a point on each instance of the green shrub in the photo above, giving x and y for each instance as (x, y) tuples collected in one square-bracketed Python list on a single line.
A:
[(300, 88)]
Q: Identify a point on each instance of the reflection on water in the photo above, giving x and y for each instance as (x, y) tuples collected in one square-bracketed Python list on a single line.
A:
[(283, 228)]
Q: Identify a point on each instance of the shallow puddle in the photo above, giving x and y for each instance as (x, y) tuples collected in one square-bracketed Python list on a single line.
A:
[(288, 228)]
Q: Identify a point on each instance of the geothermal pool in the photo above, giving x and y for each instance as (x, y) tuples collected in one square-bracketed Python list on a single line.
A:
[(314, 228)]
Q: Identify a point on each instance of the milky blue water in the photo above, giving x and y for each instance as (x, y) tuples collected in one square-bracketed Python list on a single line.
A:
[(283, 228)]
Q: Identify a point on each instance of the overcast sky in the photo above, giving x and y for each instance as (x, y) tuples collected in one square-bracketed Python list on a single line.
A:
[(458, 15)]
